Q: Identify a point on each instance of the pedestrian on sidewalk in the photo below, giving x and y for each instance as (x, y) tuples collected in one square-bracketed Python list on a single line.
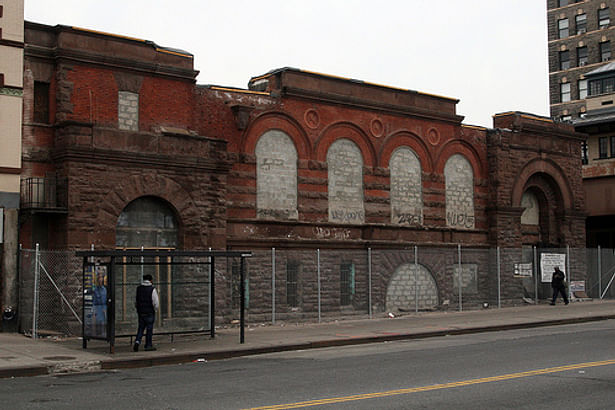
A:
[(559, 285), (147, 305)]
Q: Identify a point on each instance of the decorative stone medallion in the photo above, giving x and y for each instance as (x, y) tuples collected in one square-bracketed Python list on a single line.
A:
[(433, 136), (311, 118), (377, 127)]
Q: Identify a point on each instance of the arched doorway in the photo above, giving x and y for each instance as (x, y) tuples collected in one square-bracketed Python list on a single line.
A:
[(402, 291), (149, 223)]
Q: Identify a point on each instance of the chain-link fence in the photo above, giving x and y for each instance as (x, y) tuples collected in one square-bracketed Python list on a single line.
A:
[(50, 293), (315, 284)]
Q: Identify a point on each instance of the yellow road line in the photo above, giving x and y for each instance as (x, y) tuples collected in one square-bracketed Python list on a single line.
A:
[(469, 382)]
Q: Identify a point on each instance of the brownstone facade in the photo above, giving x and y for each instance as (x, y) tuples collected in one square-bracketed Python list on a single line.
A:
[(299, 161)]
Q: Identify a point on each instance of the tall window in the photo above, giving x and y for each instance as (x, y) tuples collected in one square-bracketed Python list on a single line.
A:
[(406, 188), (605, 51), (562, 3), (603, 147), (584, 156), (564, 60), (41, 102), (564, 92), (346, 283), (149, 222), (612, 141), (562, 27), (459, 187), (603, 18), (345, 175), (582, 86), (276, 176), (581, 56), (581, 23), (128, 111), (292, 283)]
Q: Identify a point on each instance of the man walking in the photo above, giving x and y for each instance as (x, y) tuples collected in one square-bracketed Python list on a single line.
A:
[(558, 285), (147, 305)]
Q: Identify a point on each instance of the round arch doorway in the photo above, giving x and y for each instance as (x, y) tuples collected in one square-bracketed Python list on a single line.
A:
[(146, 223)]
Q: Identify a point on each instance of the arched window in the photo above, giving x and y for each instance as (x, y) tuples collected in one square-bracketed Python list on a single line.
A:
[(531, 211), (345, 165), (147, 222), (459, 192), (276, 176), (406, 188)]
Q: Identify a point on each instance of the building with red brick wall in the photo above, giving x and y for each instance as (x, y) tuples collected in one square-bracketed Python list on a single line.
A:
[(123, 149)]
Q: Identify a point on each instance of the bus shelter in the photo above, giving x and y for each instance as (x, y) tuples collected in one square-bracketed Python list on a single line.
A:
[(184, 280)]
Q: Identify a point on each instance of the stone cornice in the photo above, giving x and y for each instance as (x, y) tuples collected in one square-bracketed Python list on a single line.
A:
[(123, 158), (64, 55), (370, 105)]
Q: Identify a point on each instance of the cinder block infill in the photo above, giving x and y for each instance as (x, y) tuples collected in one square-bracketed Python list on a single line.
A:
[(240, 352)]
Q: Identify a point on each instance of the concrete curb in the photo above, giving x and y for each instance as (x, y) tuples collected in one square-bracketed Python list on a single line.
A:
[(227, 354), (180, 358)]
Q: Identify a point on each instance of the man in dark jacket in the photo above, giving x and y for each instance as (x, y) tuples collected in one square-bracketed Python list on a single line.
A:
[(557, 283), (147, 305)]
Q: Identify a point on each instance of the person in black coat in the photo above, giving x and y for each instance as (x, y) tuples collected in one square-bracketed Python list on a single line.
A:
[(147, 305), (558, 285)]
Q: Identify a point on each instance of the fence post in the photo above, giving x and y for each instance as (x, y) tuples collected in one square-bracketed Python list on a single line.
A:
[(416, 280), (459, 276), (37, 272), (498, 261), (569, 273), (599, 272), (535, 276), (369, 281), (318, 273), (273, 286)]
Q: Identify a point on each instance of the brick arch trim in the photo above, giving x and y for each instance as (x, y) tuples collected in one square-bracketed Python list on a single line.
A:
[(138, 186), (468, 151), (406, 139), (280, 121), (549, 168), (349, 131)]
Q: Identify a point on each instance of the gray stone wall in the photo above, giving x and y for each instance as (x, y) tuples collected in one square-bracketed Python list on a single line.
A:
[(276, 176), (459, 193), (406, 188), (128, 111), (402, 292), (345, 165)]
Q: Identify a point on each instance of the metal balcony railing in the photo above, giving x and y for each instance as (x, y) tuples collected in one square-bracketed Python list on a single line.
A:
[(44, 193)]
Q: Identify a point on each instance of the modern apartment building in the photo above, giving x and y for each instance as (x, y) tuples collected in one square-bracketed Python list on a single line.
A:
[(581, 38), (11, 102), (582, 90)]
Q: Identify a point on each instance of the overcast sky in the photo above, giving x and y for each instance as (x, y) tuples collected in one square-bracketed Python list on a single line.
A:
[(490, 54)]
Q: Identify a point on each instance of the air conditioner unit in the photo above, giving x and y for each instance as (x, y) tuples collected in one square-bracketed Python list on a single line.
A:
[(606, 59), (582, 63)]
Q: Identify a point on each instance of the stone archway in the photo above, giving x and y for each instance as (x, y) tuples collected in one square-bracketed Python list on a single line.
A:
[(401, 290)]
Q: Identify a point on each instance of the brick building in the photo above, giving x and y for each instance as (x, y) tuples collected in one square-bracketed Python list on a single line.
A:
[(123, 149)]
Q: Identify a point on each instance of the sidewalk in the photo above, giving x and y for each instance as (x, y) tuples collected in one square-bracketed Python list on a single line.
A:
[(21, 356)]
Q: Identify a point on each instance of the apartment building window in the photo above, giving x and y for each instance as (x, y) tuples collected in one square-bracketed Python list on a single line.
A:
[(582, 87), (564, 91), (612, 143), (581, 23), (584, 157), (603, 147), (605, 51), (41, 102), (292, 283), (564, 60), (562, 26), (602, 86), (562, 3), (346, 283), (603, 18), (581, 56), (565, 118)]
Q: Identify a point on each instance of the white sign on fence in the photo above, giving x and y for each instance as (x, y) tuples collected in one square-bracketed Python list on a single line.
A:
[(523, 269), (548, 262), (577, 286)]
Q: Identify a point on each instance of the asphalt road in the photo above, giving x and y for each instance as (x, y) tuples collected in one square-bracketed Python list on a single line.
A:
[(561, 367)]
